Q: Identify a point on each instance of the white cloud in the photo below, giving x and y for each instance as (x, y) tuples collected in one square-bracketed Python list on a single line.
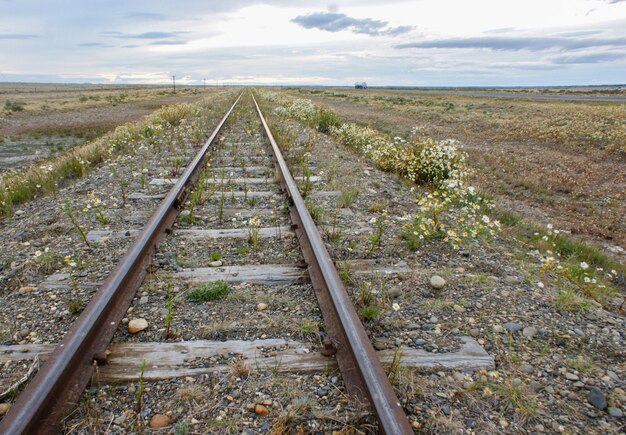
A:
[(245, 41)]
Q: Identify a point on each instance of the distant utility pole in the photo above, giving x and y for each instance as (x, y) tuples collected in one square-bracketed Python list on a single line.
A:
[(204, 85), (174, 79)]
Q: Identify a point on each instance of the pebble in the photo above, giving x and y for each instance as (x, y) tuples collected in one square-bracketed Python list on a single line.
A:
[(437, 282), (512, 280), (261, 409), (498, 329), (216, 263), (26, 289), (458, 308), (474, 332), (571, 376), (596, 398), (159, 421), (579, 332), (137, 325), (513, 327), (420, 342), (261, 306), (4, 408), (458, 376), (143, 300), (395, 292), (527, 368), (529, 332), (615, 412)]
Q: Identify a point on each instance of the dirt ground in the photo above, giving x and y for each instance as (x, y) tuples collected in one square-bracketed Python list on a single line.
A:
[(58, 114), (568, 181)]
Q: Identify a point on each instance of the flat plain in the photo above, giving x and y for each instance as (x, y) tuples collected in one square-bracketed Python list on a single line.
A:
[(556, 156)]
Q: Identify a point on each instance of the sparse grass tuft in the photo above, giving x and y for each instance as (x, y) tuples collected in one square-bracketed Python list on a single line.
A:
[(348, 197), (209, 291), (369, 313)]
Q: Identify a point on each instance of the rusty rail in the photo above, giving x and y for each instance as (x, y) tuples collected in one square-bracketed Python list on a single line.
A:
[(69, 368), (362, 372)]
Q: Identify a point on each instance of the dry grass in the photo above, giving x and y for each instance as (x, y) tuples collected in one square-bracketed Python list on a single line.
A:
[(550, 161), (49, 97)]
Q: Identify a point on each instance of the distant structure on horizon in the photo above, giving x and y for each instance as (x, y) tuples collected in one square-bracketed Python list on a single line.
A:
[(360, 85)]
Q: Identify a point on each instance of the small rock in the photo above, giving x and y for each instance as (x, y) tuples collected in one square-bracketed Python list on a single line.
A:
[(395, 292), (458, 376), (504, 423), (4, 408), (527, 368), (137, 325), (26, 289), (216, 263), (596, 398), (529, 332), (143, 300), (159, 421), (260, 409), (513, 327), (579, 332), (420, 342), (498, 329), (571, 376), (437, 282), (261, 306), (615, 412), (458, 308), (512, 280), (474, 332), (119, 420)]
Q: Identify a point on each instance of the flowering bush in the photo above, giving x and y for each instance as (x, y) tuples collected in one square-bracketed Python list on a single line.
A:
[(452, 212), (594, 281), (458, 217), (300, 109)]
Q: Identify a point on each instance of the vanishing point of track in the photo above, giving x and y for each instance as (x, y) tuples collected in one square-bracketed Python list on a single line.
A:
[(72, 364)]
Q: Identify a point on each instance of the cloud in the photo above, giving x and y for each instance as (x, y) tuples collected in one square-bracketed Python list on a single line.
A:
[(334, 22), (145, 35), (146, 16), (517, 43), (17, 36), (92, 44), (169, 42), (588, 58)]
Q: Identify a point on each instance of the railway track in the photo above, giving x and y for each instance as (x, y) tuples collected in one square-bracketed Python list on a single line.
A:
[(237, 188)]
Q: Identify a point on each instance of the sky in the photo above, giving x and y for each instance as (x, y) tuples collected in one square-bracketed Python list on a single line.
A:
[(280, 42)]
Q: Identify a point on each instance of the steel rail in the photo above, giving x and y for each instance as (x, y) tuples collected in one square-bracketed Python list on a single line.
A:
[(363, 374), (72, 364)]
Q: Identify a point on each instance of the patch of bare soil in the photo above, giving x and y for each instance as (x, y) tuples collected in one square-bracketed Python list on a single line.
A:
[(103, 116)]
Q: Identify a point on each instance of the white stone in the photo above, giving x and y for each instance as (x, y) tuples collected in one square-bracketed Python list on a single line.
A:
[(137, 325), (437, 282)]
